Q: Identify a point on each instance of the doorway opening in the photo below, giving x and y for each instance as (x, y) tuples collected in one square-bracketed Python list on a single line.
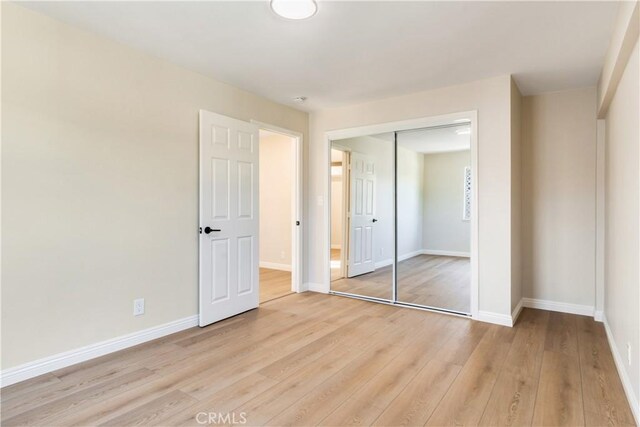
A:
[(340, 158), (278, 216)]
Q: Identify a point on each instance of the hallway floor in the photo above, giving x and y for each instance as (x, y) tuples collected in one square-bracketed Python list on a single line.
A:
[(274, 284)]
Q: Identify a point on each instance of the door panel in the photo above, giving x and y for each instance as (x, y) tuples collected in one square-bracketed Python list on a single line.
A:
[(245, 261), (228, 206), (362, 220), (219, 269), (220, 188)]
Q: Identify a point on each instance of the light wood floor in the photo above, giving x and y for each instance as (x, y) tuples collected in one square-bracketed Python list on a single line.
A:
[(313, 359), (274, 284), (436, 281)]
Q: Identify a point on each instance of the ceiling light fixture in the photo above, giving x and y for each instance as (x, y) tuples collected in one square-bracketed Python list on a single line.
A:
[(294, 9)]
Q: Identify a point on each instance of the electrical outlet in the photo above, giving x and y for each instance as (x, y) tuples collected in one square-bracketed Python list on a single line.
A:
[(138, 307), (629, 353), (282, 255), (381, 251)]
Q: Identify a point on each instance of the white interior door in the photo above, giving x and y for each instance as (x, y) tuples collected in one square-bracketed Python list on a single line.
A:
[(229, 222), (362, 207)]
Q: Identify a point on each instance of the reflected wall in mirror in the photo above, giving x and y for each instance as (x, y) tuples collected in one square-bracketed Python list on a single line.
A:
[(362, 216), (434, 228)]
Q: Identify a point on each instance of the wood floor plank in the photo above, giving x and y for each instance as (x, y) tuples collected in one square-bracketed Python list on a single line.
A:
[(274, 284), (72, 383), (154, 412), (224, 401), (41, 414), (370, 400), (393, 378), (462, 341), (353, 412), (226, 374), (465, 401), (313, 359), (604, 398), (562, 334), (513, 397), (313, 351), (30, 387), (313, 407), (512, 401), (116, 405), (289, 390), (307, 378), (224, 351), (415, 404), (559, 397)]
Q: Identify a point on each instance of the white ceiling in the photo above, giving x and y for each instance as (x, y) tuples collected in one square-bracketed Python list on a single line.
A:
[(433, 140), (352, 52)]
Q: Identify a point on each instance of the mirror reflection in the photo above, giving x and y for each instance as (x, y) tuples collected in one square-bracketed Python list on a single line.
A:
[(434, 212), (362, 216)]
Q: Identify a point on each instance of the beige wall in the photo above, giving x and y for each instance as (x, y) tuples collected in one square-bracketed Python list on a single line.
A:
[(516, 195), (622, 224), (443, 227), (336, 204), (623, 39), (410, 194), (336, 212), (99, 184), (559, 158), (276, 213), (491, 97)]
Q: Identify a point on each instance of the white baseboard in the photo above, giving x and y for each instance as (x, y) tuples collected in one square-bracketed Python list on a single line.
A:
[(275, 266), (62, 360), (516, 312), (495, 318), (446, 253), (622, 373), (316, 287), (389, 261), (336, 246), (563, 307), (403, 257), (501, 319), (598, 316)]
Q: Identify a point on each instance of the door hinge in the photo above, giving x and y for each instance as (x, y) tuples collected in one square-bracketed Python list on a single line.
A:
[(200, 230)]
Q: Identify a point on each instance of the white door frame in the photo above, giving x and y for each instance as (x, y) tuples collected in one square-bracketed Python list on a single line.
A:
[(346, 190), (297, 193), (422, 122)]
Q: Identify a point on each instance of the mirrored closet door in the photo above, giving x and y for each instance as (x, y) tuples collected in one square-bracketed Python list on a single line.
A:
[(400, 217), (362, 216), (434, 228)]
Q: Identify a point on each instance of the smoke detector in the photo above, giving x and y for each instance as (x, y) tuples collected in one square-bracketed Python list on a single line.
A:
[(299, 99)]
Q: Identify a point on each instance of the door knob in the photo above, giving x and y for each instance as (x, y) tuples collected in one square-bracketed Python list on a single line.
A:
[(208, 230), (375, 220)]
